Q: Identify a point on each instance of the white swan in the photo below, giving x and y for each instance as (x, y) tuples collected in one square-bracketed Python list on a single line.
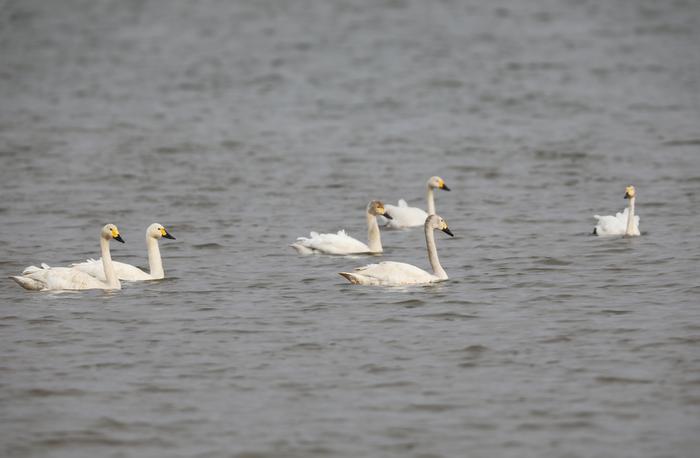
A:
[(625, 223), (67, 278), (405, 216), (341, 243), (391, 273), (127, 272)]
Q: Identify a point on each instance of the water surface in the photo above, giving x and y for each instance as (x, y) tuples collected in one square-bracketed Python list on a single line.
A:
[(242, 125)]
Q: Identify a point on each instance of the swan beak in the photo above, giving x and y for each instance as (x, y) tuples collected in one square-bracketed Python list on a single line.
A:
[(387, 216), (168, 236), (444, 187), (448, 232), (627, 195), (119, 238)]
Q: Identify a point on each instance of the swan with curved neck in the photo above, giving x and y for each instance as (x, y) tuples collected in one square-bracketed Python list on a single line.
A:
[(405, 216), (391, 273), (67, 278), (341, 243), (127, 272), (623, 223)]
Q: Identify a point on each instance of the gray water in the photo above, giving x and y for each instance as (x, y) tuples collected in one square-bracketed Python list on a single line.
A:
[(242, 125)]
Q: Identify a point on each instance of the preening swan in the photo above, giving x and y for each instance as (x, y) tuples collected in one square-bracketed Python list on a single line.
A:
[(341, 243), (127, 272), (391, 273), (405, 216), (625, 223), (68, 278)]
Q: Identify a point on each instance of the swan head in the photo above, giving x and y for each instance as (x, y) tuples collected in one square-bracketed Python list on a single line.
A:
[(157, 231), (110, 231), (629, 192), (437, 182), (437, 222), (376, 207)]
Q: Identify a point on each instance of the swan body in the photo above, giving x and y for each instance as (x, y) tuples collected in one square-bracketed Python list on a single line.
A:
[(390, 273), (48, 278), (405, 216), (127, 272), (623, 223), (341, 243)]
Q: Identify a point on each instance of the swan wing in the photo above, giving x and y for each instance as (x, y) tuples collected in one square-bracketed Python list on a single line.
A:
[(59, 278), (609, 225), (339, 243), (127, 272), (405, 216), (92, 267), (615, 225), (389, 273)]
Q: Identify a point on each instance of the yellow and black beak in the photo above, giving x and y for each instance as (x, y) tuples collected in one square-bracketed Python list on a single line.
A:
[(627, 195), (168, 236), (118, 238), (444, 187), (448, 231), (387, 216)]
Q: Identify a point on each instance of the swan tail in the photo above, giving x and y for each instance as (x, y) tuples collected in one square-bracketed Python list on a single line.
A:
[(301, 249), (352, 278), (28, 283), (45, 266), (597, 217), (403, 203), (30, 270)]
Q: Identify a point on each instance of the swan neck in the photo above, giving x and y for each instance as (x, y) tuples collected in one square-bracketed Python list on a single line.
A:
[(630, 218), (155, 263), (432, 253), (373, 236), (110, 274), (431, 201)]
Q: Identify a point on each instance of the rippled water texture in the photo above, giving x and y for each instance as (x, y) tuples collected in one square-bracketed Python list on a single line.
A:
[(241, 125)]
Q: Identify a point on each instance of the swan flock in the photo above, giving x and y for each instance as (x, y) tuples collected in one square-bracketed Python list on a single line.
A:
[(105, 274)]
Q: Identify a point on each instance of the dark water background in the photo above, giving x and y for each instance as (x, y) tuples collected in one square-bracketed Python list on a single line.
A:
[(241, 125)]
